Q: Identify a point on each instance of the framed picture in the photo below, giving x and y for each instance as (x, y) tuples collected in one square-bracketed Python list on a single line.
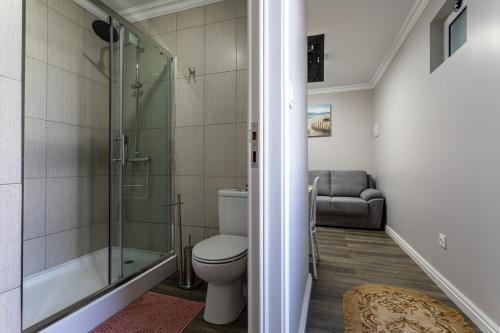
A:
[(319, 120)]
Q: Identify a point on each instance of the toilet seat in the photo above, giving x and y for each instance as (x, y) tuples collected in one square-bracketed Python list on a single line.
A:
[(221, 249)]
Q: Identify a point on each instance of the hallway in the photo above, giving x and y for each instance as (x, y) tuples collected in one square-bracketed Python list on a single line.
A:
[(354, 257)]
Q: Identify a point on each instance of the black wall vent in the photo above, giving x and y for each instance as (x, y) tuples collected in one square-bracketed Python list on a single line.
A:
[(316, 58)]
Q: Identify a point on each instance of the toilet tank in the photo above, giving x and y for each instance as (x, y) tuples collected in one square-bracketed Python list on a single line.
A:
[(233, 212)]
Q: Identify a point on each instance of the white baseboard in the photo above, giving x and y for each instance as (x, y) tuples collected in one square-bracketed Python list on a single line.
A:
[(91, 315), (305, 305), (485, 323)]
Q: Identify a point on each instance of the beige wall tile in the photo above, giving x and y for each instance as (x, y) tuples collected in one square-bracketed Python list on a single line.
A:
[(95, 237), (10, 240), (162, 24), (220, 46), (220, 150), (65, 96), (242, 44), (191, 18), (65, 151), (96, 105), (63, 246), (191, 51), (144, 26), (220, 100), (192, 191), (35, 153), (160, 152), (168, 40), (35, 101), (160, 194), (212, 187), (243, 183), (65, 204), (65, 43), (36, 30), (33, 256), (210, 232), (10, 131), (189, 151), (190, 102), (34, 208), (11, 28), (221, 11), (10, 311), (96, 57), (69, 9), (242, 96)]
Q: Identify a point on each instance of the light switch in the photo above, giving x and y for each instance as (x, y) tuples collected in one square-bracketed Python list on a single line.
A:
[(376, 130)]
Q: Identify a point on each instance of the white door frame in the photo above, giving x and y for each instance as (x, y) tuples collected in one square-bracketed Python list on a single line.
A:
[(278, 252)]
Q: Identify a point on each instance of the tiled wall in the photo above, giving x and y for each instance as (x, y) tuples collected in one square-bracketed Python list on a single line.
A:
[(66, 144), (211, 112), (10, 165)]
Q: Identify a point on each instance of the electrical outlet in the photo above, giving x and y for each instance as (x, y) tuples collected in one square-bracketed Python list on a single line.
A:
[(443, 240)]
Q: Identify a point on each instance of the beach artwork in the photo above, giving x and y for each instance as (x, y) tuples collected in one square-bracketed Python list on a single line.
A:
[(319, 120)]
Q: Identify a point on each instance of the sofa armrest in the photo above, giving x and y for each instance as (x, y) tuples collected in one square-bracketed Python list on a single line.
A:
[(370, 194)]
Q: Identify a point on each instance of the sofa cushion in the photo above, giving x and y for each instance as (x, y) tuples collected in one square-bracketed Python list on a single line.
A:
[(323, 183), (349, 206), (348, 183), (323, 204)]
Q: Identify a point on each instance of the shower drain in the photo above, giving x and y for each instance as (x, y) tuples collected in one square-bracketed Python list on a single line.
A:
[(128, 262)]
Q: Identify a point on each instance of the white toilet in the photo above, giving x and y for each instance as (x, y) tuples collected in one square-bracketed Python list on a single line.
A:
[(221, 260)]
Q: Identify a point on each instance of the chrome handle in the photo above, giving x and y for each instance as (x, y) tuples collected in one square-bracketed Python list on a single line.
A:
[(173, 204), (121, 159)]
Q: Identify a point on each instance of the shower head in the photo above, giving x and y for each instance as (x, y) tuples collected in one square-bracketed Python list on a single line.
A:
[(101, 29)]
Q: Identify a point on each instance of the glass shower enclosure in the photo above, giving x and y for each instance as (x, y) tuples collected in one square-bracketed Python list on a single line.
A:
[(98, 156)]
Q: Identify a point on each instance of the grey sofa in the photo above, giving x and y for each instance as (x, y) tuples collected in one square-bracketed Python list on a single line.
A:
[(347, 199)]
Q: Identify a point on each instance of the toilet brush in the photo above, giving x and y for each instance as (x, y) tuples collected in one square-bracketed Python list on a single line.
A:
[(187, 277)]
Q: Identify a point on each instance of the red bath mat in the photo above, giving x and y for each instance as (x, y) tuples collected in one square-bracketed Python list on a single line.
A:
[(152, 313)]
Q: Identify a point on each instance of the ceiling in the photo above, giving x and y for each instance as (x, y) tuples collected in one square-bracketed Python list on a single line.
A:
[(120, 5), (358, 36)]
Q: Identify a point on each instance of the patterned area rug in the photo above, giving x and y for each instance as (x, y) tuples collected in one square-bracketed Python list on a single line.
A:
[(152, 313), (378, 308)]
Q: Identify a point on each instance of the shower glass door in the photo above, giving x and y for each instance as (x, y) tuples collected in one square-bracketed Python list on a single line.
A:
[(143, 155), (97, 156)]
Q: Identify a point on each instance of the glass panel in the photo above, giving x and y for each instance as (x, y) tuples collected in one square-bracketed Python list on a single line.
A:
[(66, 161), (458, 32), (147, 176)]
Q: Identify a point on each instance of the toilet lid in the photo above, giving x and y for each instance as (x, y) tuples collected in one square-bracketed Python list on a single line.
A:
[(221, 248)]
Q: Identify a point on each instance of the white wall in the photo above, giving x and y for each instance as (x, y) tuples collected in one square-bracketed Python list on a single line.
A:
[(350, 146), (437, 159)]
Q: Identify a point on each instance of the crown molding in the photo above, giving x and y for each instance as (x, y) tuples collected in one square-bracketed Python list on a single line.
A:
[(415, 13), (337, 89), (161, 7)]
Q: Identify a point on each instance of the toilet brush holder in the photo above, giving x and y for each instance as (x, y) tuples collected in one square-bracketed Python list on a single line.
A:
[(187, 277)]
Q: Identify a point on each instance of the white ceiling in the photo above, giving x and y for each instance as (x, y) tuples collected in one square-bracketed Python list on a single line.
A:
[(120, 5), (358, 36)]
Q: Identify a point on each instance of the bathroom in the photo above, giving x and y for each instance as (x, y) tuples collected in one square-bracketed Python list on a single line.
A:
[(114, 129)]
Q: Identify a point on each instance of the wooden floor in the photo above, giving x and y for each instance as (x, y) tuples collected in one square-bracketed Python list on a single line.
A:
[(198, 325), (348, 258), (354, 257)]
